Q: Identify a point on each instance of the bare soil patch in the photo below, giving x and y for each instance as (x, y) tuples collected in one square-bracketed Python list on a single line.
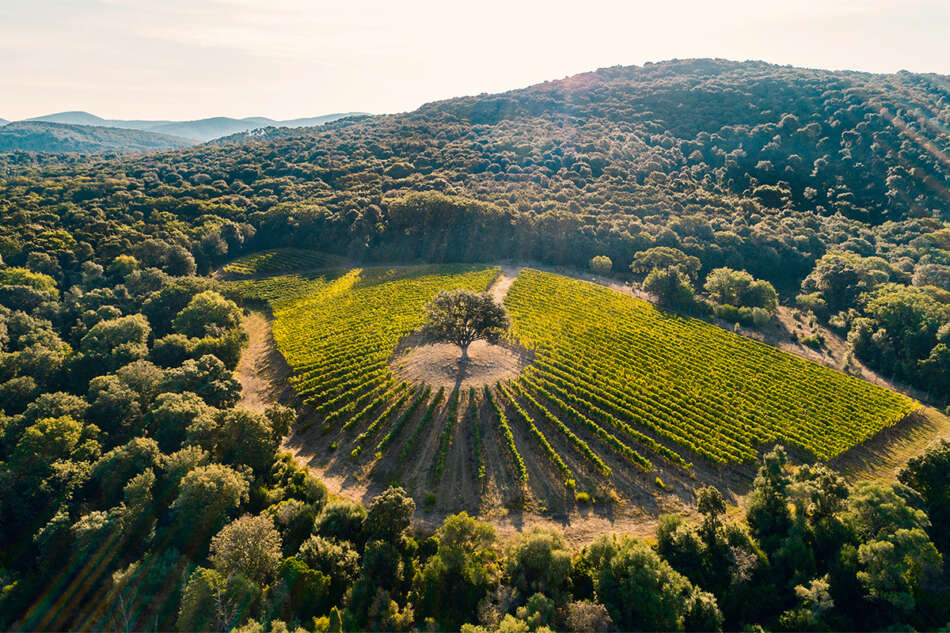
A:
[(439, 365)]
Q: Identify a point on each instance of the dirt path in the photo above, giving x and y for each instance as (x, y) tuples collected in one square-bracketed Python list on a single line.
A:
[(262, 371), (499, 289)]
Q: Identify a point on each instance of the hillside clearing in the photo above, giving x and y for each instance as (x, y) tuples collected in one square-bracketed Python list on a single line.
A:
[(627, 499)]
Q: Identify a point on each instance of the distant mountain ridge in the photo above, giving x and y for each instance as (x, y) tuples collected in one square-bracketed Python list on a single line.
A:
[(199, 130), (44, 136)]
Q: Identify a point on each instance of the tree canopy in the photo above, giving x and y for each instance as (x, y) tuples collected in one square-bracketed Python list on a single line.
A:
[(461, 317)]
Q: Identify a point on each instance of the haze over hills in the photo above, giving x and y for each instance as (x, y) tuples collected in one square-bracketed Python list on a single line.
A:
[(199, 130), (43, 136)]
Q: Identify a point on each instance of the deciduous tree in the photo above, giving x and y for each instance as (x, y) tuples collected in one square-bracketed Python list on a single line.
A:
[(461, 317)]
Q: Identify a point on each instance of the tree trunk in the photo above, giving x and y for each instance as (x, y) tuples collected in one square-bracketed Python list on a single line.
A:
[(464, 353)]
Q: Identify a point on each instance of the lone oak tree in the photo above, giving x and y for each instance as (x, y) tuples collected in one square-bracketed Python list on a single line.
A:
[(462, 317)]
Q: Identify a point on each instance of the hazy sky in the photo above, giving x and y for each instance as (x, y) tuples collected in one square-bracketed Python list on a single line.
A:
[(184, 59)]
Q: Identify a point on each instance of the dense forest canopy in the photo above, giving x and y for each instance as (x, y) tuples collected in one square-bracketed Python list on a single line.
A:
[(135, 495)]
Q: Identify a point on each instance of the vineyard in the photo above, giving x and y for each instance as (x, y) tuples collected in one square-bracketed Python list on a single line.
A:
[(718, 395), (280, 290), (279, 261), (620, 396)]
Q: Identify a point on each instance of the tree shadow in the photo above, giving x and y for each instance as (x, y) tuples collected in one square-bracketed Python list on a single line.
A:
[(463, 369)]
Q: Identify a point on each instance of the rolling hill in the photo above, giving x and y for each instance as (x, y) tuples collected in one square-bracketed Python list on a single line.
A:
[(40, 136), (169, 461), (199, 130), (789, 174)]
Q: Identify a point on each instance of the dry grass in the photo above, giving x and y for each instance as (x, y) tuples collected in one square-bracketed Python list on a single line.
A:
[(886, 453)]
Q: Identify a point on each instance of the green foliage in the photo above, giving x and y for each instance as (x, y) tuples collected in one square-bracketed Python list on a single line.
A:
[(198, 603), (116, 468), (249, 546), (123, 265), (900, 334), (207, 497), (813, 610), (173, 413), (116, 342), (892, 569), (840, 277), (600, 264), (244, 437), (540, 562), (929, 475), (665, 260), (208, 313), (337, 559), (294, 519), (207, 377), (642, 592), (341, 520), (739, 288), (457, 223), (301, 593), (212, 602), (16, 276), (768, 513), (461, 572), (161, 306), (389, 515), (671, 287)]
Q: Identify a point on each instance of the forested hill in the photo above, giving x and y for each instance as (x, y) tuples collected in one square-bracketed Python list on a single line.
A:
[(199, 130), (827, 184), (873, 147), (40, 136)]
